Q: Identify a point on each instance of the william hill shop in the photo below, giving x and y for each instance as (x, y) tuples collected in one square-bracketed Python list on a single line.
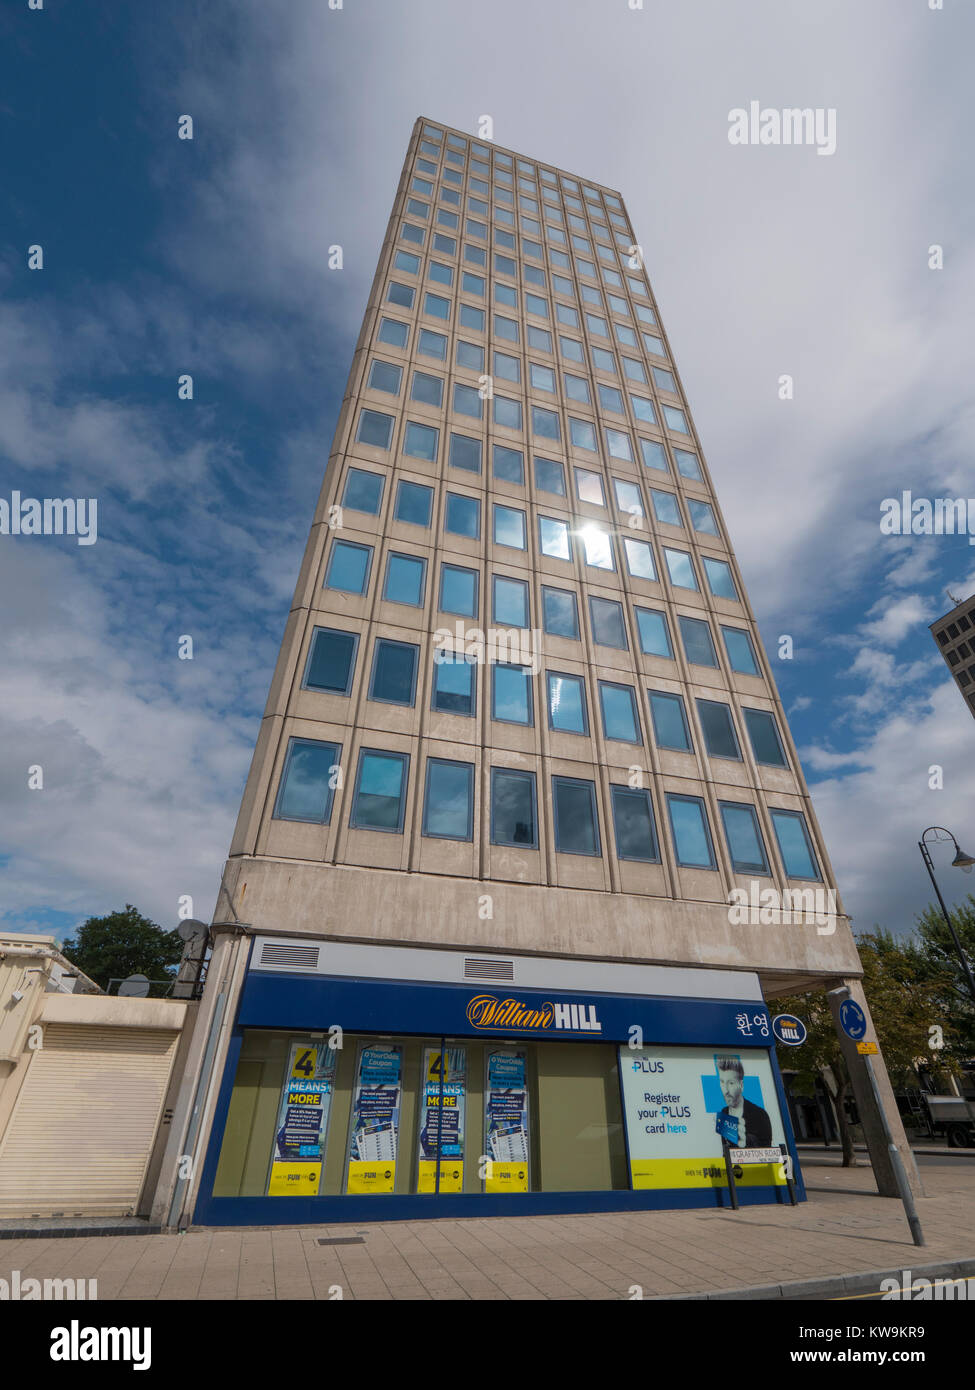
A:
[(367, 1081)]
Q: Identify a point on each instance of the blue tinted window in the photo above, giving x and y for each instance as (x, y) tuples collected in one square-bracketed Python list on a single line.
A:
[(507, 412), (509, 527), (741, 653), (463, 516), (665, 508), (305, 792), (375, 429), (608, 628), (636, 833), (549, 477), (510, 600), (744, 838), (467, 401), (413, 503), (448, 803), (669, 721), (567, 703), (653, 455), (720, 578), (654, 634), (331, 661), (718, 729), (560, 613), (454, 690), (511, 694), (553, 537), (574, 807), (680, 569), (513, 808), (764, 735), (421, 441), (698, 643), (380, 791), (619, 712), (692, 838), (404, 580), (703, 518), (363, 491), (426, 389), (458, 591), (393, 332), (348, 567), (465, 453), (509, 465), (384, 376), (432, 344), (795, 845), (393, 678)]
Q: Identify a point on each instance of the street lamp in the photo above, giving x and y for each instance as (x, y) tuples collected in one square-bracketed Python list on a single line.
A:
[(961, 861)]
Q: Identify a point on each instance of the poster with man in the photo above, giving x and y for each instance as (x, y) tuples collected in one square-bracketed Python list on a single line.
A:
[(745, 1124)]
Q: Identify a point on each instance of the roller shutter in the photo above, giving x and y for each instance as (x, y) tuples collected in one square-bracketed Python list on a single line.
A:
[(80, 1137)]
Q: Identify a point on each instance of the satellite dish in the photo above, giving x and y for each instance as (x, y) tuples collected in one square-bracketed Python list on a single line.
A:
[(135, 987), (190, 928)]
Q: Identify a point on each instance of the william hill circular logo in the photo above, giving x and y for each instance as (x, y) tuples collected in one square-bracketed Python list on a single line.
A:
[(487, 1011)]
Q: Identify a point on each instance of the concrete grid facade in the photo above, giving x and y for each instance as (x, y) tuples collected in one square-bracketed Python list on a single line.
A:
[(955, 636), (501, 275)]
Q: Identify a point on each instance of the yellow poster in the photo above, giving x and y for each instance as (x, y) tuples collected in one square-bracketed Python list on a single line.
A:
[(294, 1179), (365, 1177), (506, 1177), (701, 1172), (451, 1176)]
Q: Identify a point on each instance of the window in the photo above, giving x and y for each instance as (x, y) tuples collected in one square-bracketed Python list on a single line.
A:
[(741, 653), (583, 435), (553, 538), (380, 791), (636, 834), (393, 679), (611, 399), (394, 333), (511, 694), (675, 419), (560, 614), (703, 518), (465, 452), (669, 721), (507, 367), (454, 690), (795, 846), (448, 800), (475, 255), (567, 703), (764, 736), (619, 445), (545, 423), (467, 401), (629, 498), (440, 274), (507, 412), (665, 508), (447, 244), (539, 338), (463, 516), (639, 558), (720, 579), (535, 304), (414, 503), (744, 838), (426, 389), (542, 379), (458, 590), (653, 344), (608, 628), (549, 477), (625, 335), (436, 306), (504, 294), (331, 661), (654, 633), (680, 569), (598, 547), (664, 380), (508, 465), (513, 808), (410, 233), (687, 465), (374, 429), (405, 261), (619, 712), (570, 349), (363, 491), (576, 389), (603, 361), (470, 355), (634, 370), (653, 455), (510, 601), (402, 295), (384, 376), (509, 527), (348, 567), (589, 487), (718, 727), (689, 826), (698, 643), (506, 328), (471, 317), (422, 186), (432, 345), (564, 313), (306, 788), (420, 441), (574, 808), (405, 580)]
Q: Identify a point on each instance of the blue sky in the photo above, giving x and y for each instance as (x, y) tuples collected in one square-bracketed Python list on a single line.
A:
[(165, 256)]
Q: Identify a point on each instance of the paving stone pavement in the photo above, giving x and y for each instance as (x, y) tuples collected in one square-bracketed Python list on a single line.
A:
[(844, 1228)]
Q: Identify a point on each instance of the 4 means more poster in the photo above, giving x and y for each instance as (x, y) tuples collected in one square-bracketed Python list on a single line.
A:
[(680, 1101), (302, 1124), (442, 1120)]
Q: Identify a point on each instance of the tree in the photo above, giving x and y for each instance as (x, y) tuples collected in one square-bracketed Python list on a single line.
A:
[(121, 944), (937, 953), (909, 995)]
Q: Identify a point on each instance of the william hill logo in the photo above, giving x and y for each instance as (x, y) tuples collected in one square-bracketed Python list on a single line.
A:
[(488, 1011)]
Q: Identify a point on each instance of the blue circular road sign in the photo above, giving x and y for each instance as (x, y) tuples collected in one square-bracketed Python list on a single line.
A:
[(789, 1030), (853, 1020)]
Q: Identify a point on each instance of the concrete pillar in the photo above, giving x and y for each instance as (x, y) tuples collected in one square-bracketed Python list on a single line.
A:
[(873, 1128)]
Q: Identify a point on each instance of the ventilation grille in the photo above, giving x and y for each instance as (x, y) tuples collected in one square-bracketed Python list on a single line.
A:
[(488, 969), (298, 957)]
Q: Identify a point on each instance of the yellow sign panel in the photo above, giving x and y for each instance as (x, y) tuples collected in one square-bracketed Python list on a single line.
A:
[(867, 1049), (701, 1172), (294, 1179), (451, 1175), (371, 1177), (507, 1177)]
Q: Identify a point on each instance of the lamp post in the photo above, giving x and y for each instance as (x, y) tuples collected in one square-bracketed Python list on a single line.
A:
[(960, 861)]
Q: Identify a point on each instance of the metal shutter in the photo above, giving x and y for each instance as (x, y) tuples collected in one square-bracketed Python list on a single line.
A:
[(81, 1133)]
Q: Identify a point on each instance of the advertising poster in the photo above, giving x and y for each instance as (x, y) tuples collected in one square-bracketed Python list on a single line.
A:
[(375, 1119), (442, 1120), (506, 1122), (302, 1124), (679, 1101)]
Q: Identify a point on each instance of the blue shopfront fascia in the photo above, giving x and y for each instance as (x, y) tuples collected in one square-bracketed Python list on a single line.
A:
[(312, 1003)]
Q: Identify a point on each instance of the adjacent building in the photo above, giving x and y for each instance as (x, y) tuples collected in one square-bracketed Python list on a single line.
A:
[(955, 636), (473, 950)]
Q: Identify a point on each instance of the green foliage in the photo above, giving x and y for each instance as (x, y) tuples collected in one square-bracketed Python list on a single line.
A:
[(121, 944), (936, 951)]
